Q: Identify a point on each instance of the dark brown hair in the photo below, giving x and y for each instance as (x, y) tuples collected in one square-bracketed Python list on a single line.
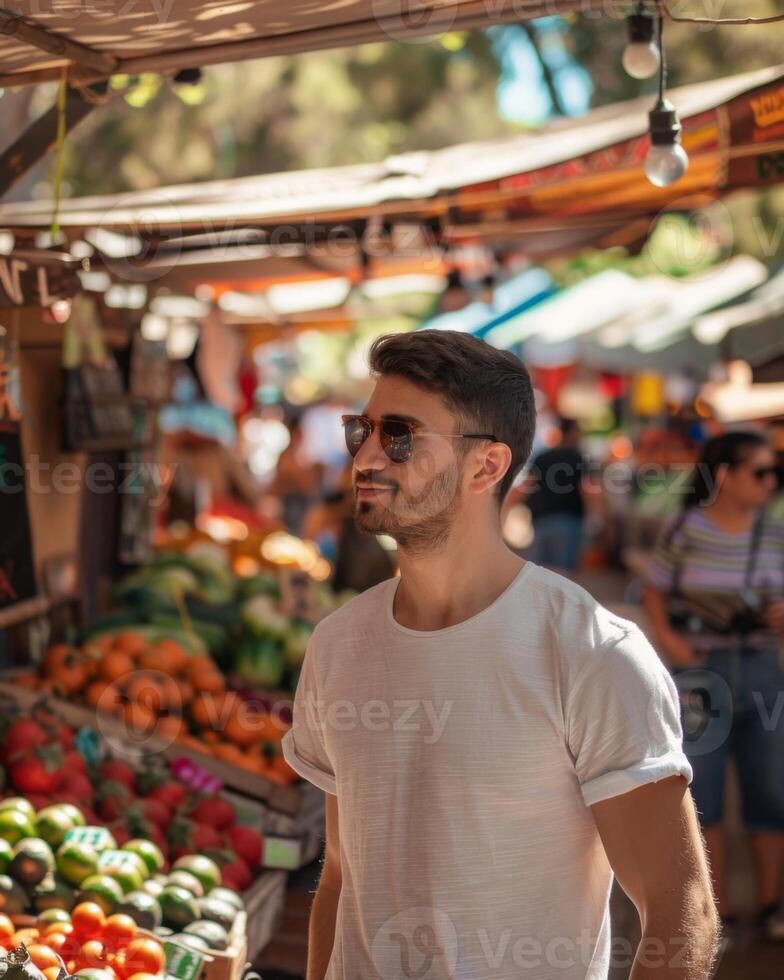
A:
[(488, 390)]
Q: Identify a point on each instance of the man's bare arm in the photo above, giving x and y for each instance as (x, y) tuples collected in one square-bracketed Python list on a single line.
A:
[(654, 844), (323, 914)]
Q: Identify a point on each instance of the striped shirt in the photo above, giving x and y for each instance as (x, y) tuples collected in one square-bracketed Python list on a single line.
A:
[(711, 567)]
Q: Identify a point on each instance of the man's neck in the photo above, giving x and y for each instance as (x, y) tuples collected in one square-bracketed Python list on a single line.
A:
[(455, 583)]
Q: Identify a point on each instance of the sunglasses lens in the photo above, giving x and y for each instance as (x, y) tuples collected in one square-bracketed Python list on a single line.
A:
[(357, 431), (397, 440)]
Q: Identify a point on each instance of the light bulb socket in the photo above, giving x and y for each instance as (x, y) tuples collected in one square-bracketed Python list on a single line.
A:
[(664, 125), (640, 28)]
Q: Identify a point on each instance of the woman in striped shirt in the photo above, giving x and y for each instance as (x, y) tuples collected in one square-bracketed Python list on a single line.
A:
[(715, 597)]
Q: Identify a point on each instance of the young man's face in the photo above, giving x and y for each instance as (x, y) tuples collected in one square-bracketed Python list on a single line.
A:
[(415, 502)]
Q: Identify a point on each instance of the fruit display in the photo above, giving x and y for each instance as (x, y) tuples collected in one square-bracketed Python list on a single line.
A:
[(238, 620), (157, 687), (86, 940), (112, 835)]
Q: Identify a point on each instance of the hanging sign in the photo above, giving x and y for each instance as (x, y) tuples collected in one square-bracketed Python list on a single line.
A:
[(25, 282)]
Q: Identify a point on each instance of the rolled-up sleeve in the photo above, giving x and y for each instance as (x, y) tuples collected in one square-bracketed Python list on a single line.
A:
[(303, 744), (623, 720)]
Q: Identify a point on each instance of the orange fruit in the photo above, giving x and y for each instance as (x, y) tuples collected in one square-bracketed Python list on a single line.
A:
[(205, 710), (139, 718), (241, 728), (58, 929), (6, 930), (279, 765), (115, 664), (143, 687), (198, 661), (42, 956), (119, 931), (92, 954), (144, 955), (88, 920), (169, 726), (26, 936), (173, 654), (211, 681), (230, 753), (130, 642)]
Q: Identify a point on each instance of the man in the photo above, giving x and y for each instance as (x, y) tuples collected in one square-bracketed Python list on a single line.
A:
[(493, 743), (555, 500)]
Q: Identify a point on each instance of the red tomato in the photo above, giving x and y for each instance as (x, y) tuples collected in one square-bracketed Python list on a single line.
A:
[(88, 920), (118, 931), (42, 956), (92, 955), (144, 955)]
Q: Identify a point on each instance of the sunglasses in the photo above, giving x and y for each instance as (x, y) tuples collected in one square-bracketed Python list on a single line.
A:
[(763, 472), (397, 436)]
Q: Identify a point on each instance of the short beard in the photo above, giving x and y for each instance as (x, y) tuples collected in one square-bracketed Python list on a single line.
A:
[(431, 525)]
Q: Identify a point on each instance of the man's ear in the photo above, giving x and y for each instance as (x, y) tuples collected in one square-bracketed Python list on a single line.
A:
[(494, 465)]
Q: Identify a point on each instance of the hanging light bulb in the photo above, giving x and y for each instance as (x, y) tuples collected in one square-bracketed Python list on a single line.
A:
[(641, 58), (667, 161)]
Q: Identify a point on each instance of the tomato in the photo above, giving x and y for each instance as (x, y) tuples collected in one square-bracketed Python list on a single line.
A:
[(92, 955), (31, 774), (119, 930), (88, 920), (58, 941), (52, 972), (58, 929), (21, 736), (42, 956), (144, 976), (144, 955)]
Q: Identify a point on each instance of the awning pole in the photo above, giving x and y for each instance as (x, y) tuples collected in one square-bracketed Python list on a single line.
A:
[(40, 137), (38, 37)]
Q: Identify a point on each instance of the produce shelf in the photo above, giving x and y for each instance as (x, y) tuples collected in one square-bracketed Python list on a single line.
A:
[(279, 799)]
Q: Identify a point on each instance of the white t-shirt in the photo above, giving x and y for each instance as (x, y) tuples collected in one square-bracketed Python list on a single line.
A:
[(465, 760)]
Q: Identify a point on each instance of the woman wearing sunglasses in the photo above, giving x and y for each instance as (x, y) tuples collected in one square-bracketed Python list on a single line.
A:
[(715, 598), (493, 742)]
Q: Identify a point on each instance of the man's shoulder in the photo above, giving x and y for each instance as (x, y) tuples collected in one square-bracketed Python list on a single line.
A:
[(578, 622), (358, 610)]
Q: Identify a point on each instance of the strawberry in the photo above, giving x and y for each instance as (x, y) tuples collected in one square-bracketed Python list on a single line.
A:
[(188, 837), (248, 844), (72, 759), (235, 873), (215, 812), (77, 784), (150, 812), (120, 832), (115, 771), (21, 737), (172, 794), (37, 772), (114, 801)]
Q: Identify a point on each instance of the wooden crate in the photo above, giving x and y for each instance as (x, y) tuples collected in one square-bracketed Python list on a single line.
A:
[(264, 906), (280, 799), (307, 825), (224, 964)]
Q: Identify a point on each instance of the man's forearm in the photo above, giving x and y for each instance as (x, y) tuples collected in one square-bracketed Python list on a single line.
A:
[(323, 917), (685, 951)]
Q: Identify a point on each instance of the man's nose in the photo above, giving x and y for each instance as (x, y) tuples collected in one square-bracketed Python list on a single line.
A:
[(371, 456)]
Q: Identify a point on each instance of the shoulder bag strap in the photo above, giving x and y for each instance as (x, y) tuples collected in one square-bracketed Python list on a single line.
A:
[(677, 571), (754, 547)]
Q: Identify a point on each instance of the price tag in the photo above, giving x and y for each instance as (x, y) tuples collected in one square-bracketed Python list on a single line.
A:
[(118, 859), (196, 777), (99, 838), (185, 964), (281, 852)]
